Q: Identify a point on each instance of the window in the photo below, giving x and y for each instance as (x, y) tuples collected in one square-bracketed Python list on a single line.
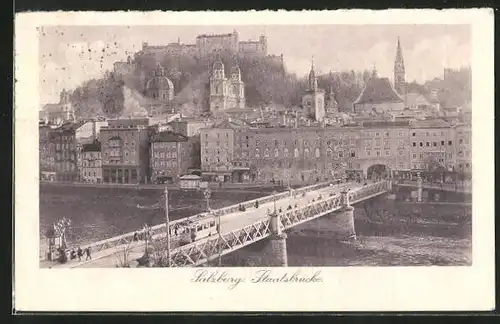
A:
[(306, 152), (442, 143), (413, 134), (414, 155), (387, 153), (218, 135), (266, 152), (450, 155), (227, 135), (328, 152), (276, 152), (275, 142), (460, 141), (450, 142), (353, 154), (296, 152), (377, 134), (368, 152), (257, 153), (340, 155), (317, 153), (421, 156), (387, 134), (414, 144), (285, 152), (434, 144), (378, 153), (427, 143)]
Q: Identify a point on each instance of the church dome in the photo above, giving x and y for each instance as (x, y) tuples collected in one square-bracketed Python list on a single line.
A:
[(159, 81)]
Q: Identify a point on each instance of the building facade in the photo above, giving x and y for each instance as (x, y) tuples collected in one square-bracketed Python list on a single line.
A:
[(170, 156), (91, 170), (64, 149), (47, 153), (125, 151), (463, 140), (226, 93), (432, 146)]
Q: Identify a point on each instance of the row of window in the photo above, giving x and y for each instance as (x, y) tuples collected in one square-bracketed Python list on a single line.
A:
[(168, 164), (169, 155), (427, 134), (421, 156), (89, 174), (379, 153), (421, 144), (95, 164), (64, 146)]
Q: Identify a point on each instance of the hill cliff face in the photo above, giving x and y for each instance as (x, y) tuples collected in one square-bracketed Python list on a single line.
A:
[(265, 78)]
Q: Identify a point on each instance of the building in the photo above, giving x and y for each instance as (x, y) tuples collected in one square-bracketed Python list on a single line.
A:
[(209, 44), (253, 47), (125, 151), (91, 170), (313, 100), (417, 101), (463, 140), (124, 68), (433, 146), (170, 156), (226, 93), (59, 113), (217, 150), (384, 147), (47, 153), (399, 72), (64, 149), (378, 96)]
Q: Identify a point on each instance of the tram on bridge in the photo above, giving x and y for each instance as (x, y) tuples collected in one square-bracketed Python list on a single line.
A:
[(197, 230)]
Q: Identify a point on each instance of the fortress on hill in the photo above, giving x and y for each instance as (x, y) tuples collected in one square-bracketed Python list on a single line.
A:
[(209, 44), (204, 46)]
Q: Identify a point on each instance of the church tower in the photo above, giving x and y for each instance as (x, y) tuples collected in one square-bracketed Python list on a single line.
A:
[(218, 86), (313, 100), (236, 87), (399, 71)]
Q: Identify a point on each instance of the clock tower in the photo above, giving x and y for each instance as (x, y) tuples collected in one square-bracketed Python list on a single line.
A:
[(313, 100)]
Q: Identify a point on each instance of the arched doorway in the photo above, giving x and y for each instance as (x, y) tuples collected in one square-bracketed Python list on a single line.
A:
[(378, 172)]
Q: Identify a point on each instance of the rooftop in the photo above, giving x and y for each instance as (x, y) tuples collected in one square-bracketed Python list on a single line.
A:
[(168, 137), (430, 123), (378, 90), (380, 124), (93, 147)]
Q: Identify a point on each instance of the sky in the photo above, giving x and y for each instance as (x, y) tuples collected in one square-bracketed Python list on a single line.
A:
[(70, 55)]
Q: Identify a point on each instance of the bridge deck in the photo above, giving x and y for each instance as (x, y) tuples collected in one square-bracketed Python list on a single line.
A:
[(229, 222)]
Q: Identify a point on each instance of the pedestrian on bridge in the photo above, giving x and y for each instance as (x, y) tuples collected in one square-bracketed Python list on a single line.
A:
[(79, 252), (87, 252)]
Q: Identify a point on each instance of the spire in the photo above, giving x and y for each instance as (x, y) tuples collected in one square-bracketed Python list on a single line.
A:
[(374, 71), (399, 52)]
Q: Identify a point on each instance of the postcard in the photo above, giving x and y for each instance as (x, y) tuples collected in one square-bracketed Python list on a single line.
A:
[(254, 161)]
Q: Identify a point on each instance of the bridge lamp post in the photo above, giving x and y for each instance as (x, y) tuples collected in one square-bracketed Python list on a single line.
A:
[(274, 200)]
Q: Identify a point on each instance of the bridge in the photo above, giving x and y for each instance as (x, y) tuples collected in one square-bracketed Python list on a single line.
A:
[(242, 228), (463, 188)]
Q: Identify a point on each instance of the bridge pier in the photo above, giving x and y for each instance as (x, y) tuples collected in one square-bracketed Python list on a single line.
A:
[(276, 248)]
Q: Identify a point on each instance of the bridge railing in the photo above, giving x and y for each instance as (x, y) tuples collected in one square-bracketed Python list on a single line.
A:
[(465, 186), (201, 251), (158, 230)]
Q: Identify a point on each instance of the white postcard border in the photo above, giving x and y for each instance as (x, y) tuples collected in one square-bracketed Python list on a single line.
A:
[(342, 289)]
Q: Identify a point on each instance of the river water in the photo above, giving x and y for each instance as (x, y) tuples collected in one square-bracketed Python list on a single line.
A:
[(388, 233)]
